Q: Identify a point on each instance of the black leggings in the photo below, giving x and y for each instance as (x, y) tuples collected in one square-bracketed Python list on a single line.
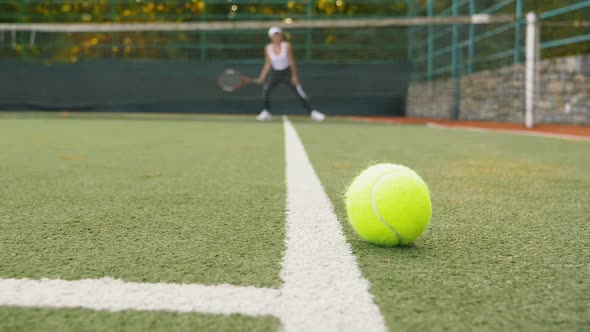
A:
[(283, 76)]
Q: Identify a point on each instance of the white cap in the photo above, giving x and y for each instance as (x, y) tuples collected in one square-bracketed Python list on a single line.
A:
[(274, 30)]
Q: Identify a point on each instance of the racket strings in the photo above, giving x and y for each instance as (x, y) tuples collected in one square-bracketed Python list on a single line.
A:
[(230, 79)]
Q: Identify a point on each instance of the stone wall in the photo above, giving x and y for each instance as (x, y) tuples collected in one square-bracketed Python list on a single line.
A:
[(499, 95)]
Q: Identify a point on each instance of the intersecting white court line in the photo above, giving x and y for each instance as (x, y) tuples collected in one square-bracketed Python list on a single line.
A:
[(323, 287), (116, 295)]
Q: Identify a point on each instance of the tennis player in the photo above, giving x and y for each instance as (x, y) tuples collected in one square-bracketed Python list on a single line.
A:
[(279, 61)]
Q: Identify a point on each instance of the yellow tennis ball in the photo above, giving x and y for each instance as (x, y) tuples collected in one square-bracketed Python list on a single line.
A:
[(389, 205)]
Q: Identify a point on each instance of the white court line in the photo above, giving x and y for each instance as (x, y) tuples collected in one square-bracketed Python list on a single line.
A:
[(508, 131), (323, 287), (116, 295)]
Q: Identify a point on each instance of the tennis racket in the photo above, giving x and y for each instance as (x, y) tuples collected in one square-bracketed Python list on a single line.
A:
[(231, 80)]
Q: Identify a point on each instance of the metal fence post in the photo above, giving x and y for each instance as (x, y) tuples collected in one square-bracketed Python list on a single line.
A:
[(22, 11), (517, 32), (113, 15), (16, 37), (204, 34), (455, 66), (471, 49), (410, 6), (429, 12), (308, 32)]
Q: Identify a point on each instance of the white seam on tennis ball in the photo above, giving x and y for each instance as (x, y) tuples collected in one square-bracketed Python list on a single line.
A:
[(374, 204)]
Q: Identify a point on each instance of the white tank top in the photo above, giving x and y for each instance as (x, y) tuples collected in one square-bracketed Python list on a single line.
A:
[(278, 61)]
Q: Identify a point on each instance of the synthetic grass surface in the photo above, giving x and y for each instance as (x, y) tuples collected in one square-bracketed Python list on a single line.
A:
[(65, 320), (202, 199), (141, 198), (507, 248)]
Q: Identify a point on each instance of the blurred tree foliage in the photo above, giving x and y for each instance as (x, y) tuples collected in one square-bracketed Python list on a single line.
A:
[(107, 45), (188, 10)]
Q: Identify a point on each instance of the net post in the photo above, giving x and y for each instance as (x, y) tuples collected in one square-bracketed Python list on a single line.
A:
[(517, 32), (531, 67)]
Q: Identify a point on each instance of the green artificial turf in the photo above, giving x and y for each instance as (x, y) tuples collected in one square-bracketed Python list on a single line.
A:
[(144, 198), (507, 249), (201, 199), (65, 320)]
